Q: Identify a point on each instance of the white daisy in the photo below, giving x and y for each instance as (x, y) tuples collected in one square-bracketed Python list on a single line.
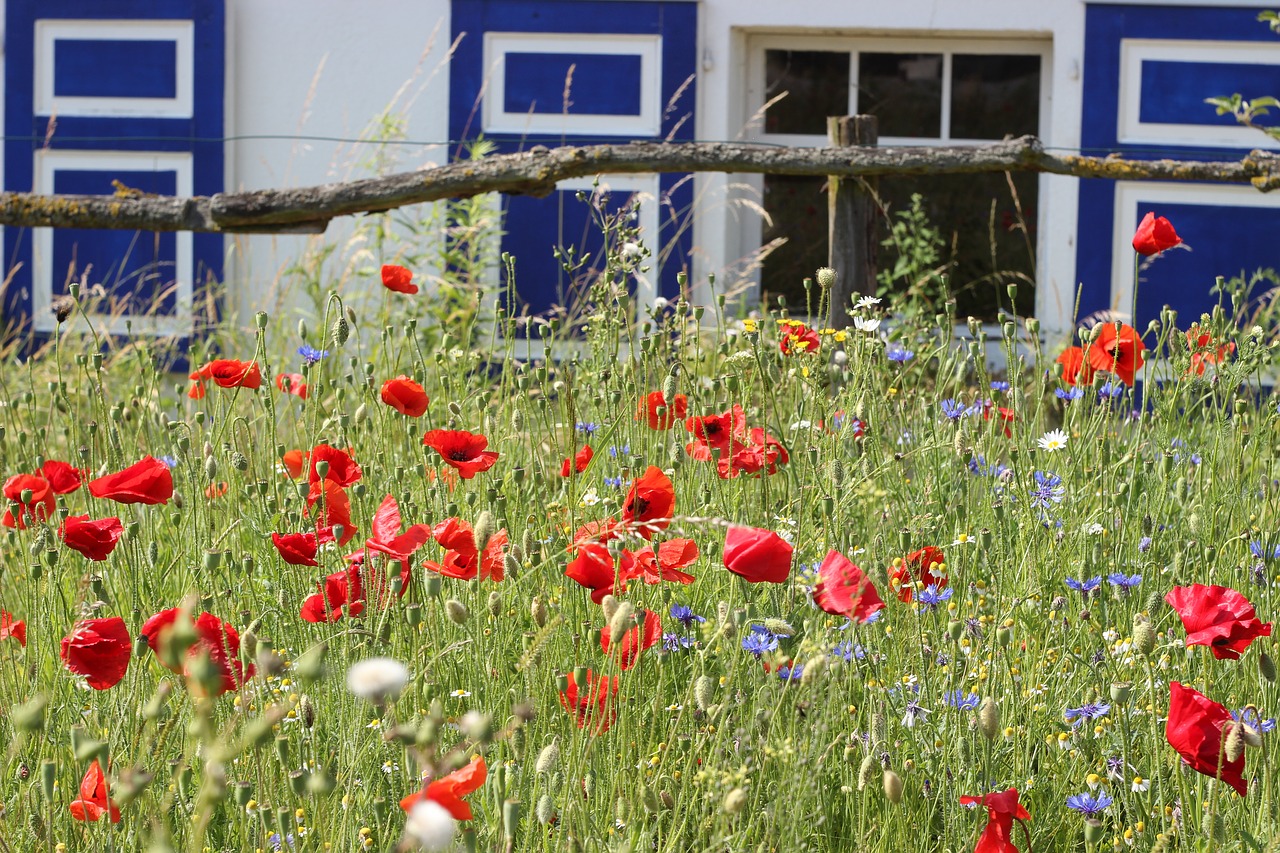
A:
[(867, 302), (866, 324), (1052, 440)]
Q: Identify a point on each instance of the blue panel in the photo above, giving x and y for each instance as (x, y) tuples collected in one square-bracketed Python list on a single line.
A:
[(534, 227), (201, 134), (557, 221), (137, 269), (602, 84), (1175, 92), (1182, 279), (115, 68)]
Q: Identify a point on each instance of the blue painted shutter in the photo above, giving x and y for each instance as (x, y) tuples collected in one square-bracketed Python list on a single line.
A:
[(1147, 72), (105, 91), (631, 76)]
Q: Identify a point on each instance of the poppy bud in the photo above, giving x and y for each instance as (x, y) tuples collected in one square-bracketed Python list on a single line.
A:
[(29, 716), (340, 331), (609, 606), (735, 801), (310, 667), (1235, 740), (866, 771), (1267, 667), (704, 690), (495, 604), (545, 811), (510, 818), (484, 529), (892, 786), (48, 778), (989, 718), (955, 628), (779, 627), (879, 728), (826, 277), (622, 620), (1144, 636), (456, 611)]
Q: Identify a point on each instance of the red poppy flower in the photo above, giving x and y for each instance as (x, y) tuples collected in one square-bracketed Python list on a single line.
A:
[(225, 373), (94, 539), (1204, 351), (1007, 416), (756, 555), (592, 704), (1075, 369), (147, 481), (1002, 809), (592, 567), (673, 555), (1154, 235), (11, 628), (340, 589), (399, 279), (636, 640), (650, 503), (844, 590), (1118, 352), (296, 549), (213, 491), (798, 339), (99, 650), (94, 801), (462, 450), (578, 463), (386, 539), (343, 470), (405, 396), (292, 383), (461, 560), (449, 790), (216, 638), (926, 567), (63, 478), (716, 430), (1194, 729), (1217, 617), (334, 511), (762, 453), (39, 507), (655, 410), (293, 461)]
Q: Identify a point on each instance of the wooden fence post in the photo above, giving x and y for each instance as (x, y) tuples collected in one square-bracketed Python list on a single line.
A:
[(851, 221)]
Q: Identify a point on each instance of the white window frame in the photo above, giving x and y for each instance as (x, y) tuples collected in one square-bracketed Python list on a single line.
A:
[(749, 235)]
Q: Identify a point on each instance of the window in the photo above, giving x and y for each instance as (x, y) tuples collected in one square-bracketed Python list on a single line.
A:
[(923, 91)]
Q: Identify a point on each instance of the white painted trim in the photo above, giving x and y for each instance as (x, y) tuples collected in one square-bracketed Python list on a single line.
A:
[(1130, 129), (1129, 194), (647, 47), (49, 162), (180, 33)]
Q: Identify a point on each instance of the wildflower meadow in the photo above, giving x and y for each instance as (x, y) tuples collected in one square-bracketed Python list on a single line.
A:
[(670, 577)]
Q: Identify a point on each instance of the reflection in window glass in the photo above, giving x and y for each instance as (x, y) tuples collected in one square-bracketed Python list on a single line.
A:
[(798, 207), (994, 95), (817, 86), (902, 90)]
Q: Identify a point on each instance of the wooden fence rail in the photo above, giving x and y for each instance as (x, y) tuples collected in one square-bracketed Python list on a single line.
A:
[(536, 171)]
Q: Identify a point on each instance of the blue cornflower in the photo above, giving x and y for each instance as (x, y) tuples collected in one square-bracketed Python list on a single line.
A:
[(999, 386), (930, 597), (848, 652), (311, 355), (1124, 581), (953, 410), (1048, 490), (1251, 718), (960, 700), (1082, 585), (1068, 394), (672, 642), (169, 461), (1089, 805), (1144, 544), (906, 437), (1264, 552), (685, 615), (616, 482), (586, 426), (899, 353), (791, 672), (274, 841), (1088, 711), (978, 465), (616, 451), (760, 640), (1109, 391)]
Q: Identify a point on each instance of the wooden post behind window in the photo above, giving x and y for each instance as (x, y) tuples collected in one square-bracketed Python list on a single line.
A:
[(851, 222)]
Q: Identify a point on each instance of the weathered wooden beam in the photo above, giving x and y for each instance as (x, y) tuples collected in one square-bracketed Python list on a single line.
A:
[(536, 171)]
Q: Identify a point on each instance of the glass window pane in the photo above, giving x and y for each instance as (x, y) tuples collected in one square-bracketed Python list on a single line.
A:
[(817, 86), (984, 248), (798, 207), (992, 96), (904, 91)]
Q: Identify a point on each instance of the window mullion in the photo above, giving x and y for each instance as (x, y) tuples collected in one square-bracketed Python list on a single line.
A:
[(945, 129), (853, 83)]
